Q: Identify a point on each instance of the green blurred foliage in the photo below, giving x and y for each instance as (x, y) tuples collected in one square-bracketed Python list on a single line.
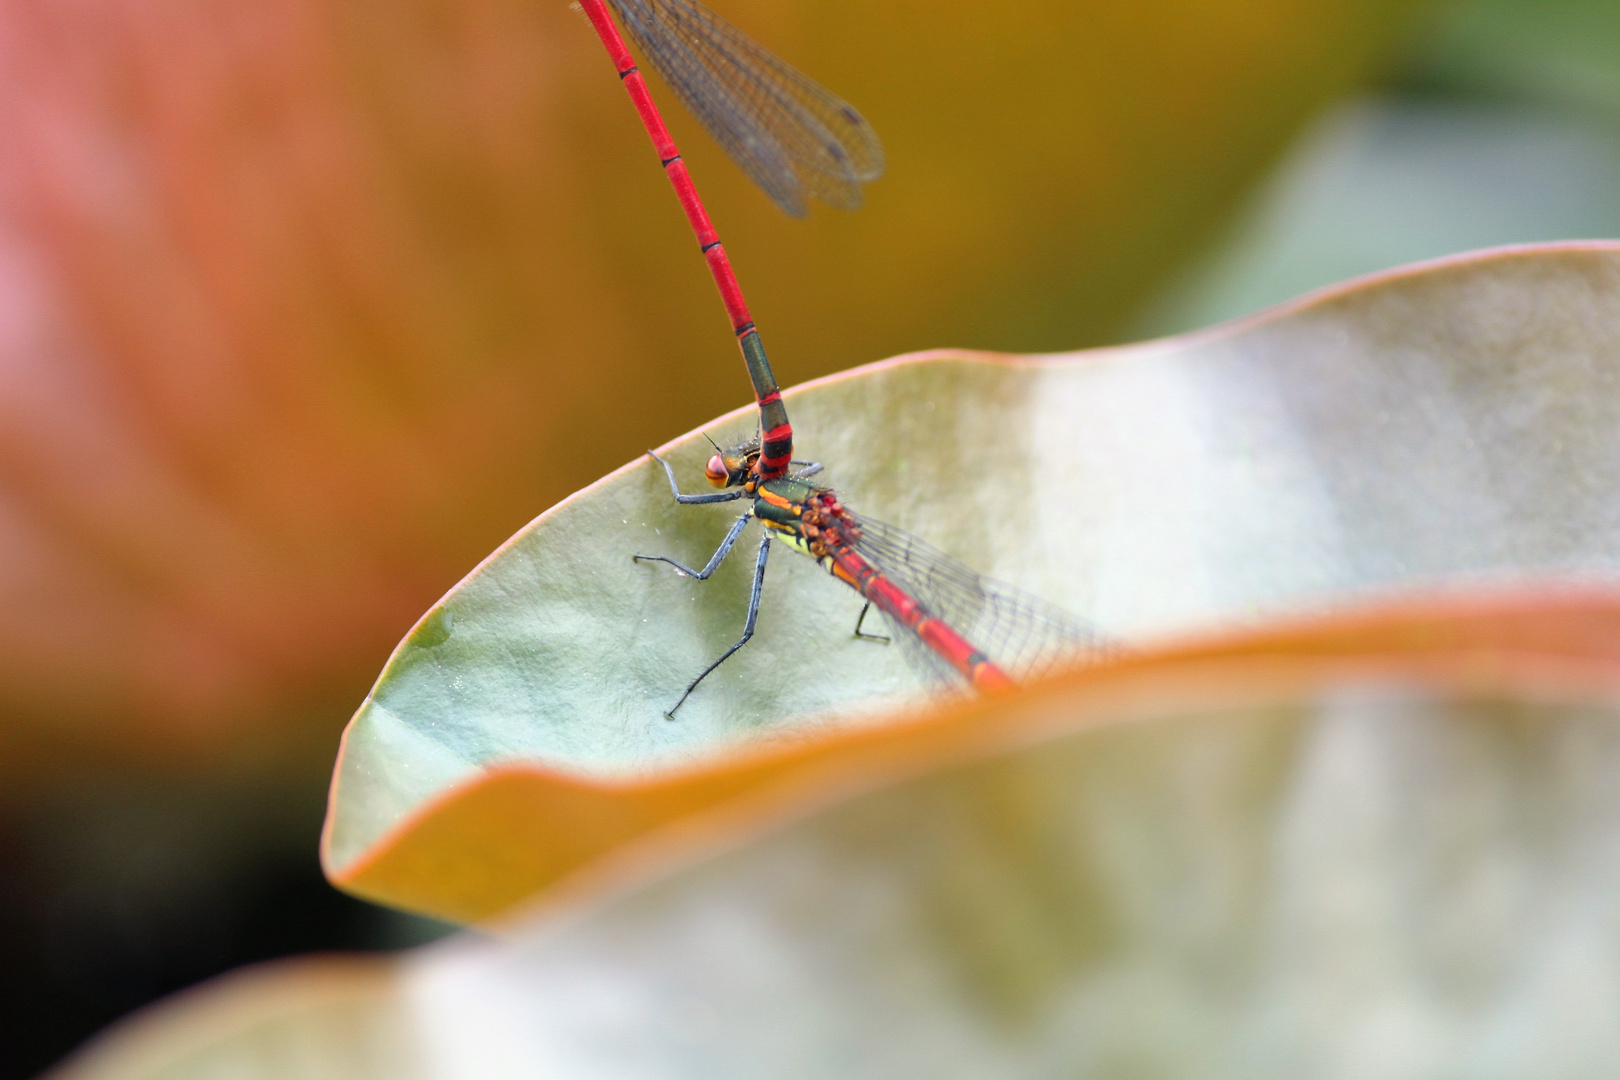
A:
[(1500, 124), (1560, 53)]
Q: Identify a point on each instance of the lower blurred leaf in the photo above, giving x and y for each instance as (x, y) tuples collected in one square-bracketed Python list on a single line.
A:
[(313, 1017), (1383, 849)]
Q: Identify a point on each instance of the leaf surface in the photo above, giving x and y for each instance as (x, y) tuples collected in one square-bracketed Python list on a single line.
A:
[(1378, 848), (1447, 427)]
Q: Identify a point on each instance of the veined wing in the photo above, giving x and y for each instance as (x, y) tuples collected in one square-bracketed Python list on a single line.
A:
[(1021, 634), (792, 136)]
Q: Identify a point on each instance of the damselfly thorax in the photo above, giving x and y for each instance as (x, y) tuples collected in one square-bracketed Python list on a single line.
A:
[(805, 516)]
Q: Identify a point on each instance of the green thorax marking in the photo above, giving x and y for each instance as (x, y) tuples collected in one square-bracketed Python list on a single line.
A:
[(782, 506)]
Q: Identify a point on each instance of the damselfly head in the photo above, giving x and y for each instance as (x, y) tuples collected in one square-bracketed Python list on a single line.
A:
[(728, 468)]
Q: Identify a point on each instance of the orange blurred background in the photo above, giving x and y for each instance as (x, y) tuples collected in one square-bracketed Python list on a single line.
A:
[(312, 304), (306, 305)]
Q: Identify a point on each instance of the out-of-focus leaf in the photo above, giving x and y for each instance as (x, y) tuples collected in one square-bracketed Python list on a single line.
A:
[(1499, 124), (1547, 52), (1450, 426), (1311, 861), (308, 304), (1391, 180), (313, 1019)]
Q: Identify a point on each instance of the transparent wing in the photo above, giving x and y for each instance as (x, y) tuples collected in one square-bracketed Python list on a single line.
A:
[(1021, 634), (790, 135)]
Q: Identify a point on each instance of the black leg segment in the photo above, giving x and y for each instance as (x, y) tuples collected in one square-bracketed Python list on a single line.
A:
[(864, 636), (714, 560), (688, 500), (748, 626)]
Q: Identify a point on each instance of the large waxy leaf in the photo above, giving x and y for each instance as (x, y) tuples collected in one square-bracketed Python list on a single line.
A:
[(1451, 426), (1358, 853)]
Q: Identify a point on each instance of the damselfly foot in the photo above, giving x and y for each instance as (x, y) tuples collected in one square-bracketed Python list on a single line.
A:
[(753, 605)]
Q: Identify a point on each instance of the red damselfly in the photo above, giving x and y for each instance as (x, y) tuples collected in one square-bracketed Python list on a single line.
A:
[(955, 624), (793, 137)]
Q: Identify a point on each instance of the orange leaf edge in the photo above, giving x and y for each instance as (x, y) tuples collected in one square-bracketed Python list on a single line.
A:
[(483, 846)]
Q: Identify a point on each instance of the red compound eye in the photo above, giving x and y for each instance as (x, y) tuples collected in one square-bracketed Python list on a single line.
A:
[(716, 471)]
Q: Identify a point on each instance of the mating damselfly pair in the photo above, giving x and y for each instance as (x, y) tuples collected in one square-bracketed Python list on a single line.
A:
[(796, 139)]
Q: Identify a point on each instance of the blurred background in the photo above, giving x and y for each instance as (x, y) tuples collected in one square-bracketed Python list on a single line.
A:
[(306, 305)]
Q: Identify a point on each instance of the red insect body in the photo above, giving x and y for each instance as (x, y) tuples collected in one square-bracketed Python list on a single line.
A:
[(773, 415), (796, 139), (839, 536), (892, 601)]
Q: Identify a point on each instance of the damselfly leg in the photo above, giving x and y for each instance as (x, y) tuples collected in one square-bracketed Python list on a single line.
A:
[(748, 625), (863, 635), (692, 500), (703, 575), (714, 560), (711, 566)]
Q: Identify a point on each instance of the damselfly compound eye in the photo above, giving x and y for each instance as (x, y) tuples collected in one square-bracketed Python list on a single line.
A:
[(716, 471)]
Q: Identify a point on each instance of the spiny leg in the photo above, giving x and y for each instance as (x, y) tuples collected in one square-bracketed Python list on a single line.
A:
[(714, 560), (688, 500), (748, 626), (864, 636)]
